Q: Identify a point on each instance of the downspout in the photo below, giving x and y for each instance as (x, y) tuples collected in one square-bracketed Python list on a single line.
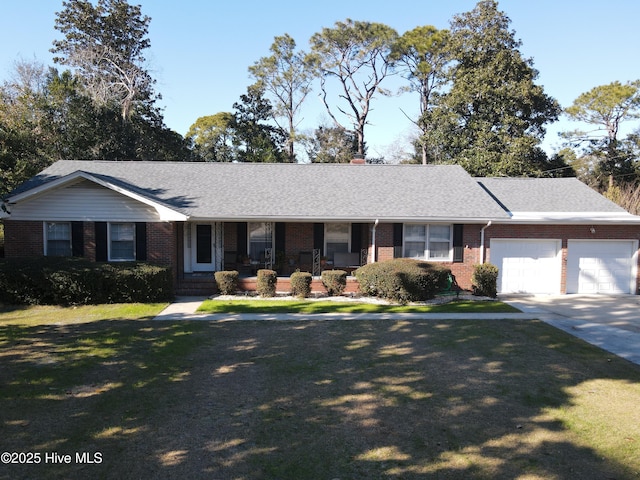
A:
[(482, 241), (373, 241)]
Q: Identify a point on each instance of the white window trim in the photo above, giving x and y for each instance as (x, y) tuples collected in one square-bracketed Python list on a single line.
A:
[(109, 242), (427, 251), (45, 232)]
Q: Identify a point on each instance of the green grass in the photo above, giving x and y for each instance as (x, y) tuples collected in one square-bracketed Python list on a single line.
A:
[(47, 314), (329, 306), (453, 399)]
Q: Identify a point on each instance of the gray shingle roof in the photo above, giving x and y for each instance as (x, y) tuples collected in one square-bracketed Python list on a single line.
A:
[(292, 191), (548, 195)]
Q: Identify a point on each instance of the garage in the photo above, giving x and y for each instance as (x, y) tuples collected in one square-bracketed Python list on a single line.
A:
[(528, 265), (601, 266)]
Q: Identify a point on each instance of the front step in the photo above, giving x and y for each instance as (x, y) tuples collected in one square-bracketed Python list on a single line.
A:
[(196, 286)]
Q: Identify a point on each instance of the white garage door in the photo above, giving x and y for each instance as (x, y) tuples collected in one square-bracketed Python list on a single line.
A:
[(602, 266), (527, 266)]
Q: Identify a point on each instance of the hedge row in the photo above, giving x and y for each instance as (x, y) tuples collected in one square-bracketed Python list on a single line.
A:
[(402, 280), (66, 281)]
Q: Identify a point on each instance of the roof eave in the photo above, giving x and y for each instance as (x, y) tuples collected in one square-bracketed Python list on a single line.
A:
[(576, 218)]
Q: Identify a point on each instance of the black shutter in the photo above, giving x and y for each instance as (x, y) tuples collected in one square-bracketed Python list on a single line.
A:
[(77, 239), (141, 241), (458, 246), (242, 239), (318, 237), (280, 237), (101, 242), (397, 240), (356, 237)]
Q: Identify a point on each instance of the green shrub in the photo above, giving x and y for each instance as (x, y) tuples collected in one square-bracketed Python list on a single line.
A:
[(301, 284), (485, 280), (402, 280), (267, 280), (67, 281), (227, 281), (335, 281)]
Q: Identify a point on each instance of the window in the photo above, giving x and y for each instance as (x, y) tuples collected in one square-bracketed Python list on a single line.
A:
[(260, 238), (415, 241), (58, 239), (337, 236), (203, 244), (439, 242), (429, 242), (122, 241)]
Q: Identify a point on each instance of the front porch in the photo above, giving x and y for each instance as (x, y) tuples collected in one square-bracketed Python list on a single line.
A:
[(203, 283)]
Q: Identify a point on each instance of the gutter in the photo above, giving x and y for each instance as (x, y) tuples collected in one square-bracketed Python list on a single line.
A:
[(373, 241), (482, 241)]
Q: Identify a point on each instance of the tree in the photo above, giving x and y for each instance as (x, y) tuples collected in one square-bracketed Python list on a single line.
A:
[(24, 149), (356, 54), (213, 137), (331, 145), (421, 56), (605, 108), (256, 140), (287, 76), (106, 44), (491, 119)]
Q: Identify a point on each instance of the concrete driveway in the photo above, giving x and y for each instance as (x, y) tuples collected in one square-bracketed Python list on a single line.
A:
[(620, 311), (609, 322)]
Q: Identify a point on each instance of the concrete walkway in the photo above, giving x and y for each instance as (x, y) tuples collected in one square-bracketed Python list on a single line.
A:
[(624, 342)]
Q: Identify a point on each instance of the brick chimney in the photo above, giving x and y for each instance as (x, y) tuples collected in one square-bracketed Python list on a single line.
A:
[(358, 159)]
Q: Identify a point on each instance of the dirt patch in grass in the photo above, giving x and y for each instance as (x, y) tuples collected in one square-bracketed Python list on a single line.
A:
[(318, 399)]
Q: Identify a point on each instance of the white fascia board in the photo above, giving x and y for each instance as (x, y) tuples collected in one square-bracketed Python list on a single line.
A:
[(574, 217), (371, 219), (164, 213)]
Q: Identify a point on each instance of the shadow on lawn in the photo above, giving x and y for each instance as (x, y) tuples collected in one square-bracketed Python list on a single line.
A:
[(297, 400)]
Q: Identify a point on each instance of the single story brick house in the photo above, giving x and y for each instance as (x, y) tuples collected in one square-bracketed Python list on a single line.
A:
[(545, 235)]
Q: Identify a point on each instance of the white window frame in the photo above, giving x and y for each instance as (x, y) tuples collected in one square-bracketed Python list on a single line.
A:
[(46, 238), (427, 241), (110, 241), (326, 237)]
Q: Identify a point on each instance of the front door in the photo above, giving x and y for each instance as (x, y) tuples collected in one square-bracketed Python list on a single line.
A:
[(204, 247)]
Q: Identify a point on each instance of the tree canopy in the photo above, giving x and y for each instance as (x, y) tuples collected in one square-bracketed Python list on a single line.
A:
[(106, 44), (604, 156), (491, 119), (421, 56), (286, 75), (356, 55)]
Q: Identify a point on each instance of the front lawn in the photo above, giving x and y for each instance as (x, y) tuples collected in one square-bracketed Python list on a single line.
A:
[(313, 400), (333, 306)]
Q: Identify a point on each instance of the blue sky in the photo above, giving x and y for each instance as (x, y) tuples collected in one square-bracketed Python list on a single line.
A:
[(200, 49)]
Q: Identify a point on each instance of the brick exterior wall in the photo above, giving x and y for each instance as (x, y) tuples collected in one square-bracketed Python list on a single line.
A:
[(230, 236), (26, 239), (299, 238), (164, 243), (161, 244), (462, 270), (563, 233), (384, 242), (23, 239)]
